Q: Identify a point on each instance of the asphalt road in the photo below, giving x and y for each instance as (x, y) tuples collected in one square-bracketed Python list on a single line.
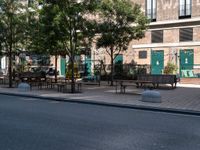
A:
[(33, 124)]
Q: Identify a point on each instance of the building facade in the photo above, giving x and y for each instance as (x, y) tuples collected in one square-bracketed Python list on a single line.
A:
[(173, 36)]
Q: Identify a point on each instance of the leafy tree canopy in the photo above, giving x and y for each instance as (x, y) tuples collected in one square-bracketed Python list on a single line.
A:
[(12, 27), (120, 22)]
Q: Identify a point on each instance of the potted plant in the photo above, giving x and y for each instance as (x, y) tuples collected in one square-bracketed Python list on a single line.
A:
[(170, 68)]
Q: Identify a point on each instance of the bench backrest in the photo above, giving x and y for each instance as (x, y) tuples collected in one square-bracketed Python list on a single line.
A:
[(164, 79), (32, 75)]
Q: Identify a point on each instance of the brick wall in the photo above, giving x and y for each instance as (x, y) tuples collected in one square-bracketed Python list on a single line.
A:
[(195, 8), (167, 10), (171, 36), (197, 55), (145, 40), (196, 34)]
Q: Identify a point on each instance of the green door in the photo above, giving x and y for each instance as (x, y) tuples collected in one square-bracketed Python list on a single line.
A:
[(157, 62), (118, 65), (62, 66), (186, 62), (88, 64), (119, 59)]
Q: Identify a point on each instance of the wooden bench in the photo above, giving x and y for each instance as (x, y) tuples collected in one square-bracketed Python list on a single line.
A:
[(156, 80), (146, 81)]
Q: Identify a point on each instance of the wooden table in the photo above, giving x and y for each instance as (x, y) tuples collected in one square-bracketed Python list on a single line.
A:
[(123, 84), (63, 87)]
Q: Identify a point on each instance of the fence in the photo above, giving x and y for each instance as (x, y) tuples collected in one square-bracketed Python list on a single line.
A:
[(123, 71)]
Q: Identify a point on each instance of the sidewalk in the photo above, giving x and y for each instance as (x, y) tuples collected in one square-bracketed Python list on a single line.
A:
[(183, 98)]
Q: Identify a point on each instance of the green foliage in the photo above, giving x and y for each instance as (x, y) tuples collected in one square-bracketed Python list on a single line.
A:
[(120, 22), (48, 34), (69, 71), (12, 30), (170, 68), (65, 28), (12, 25)]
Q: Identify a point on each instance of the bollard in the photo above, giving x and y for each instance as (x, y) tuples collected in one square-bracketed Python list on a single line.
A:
[(151, 96), (24, 87)]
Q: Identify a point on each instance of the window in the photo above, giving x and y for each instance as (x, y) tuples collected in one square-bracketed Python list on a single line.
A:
[(186, 34), (142, 54), (151, 9), (157, 36), (185, 9)]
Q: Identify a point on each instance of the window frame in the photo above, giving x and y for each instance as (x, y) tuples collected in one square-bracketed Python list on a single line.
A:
[(153, 11), (153, 33), (181, 35), (185, 15), (140, 54)]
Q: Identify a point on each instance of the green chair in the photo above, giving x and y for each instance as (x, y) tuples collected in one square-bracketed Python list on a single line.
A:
[(191, 74), (198, 75), (184, 73)]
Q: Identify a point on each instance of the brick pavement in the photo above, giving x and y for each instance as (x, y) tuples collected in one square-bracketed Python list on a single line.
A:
[(184, 97)]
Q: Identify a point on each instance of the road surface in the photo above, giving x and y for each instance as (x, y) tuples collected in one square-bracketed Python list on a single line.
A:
[(34, 124)]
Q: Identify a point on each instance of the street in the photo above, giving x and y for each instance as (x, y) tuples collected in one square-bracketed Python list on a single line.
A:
[(34, 124)]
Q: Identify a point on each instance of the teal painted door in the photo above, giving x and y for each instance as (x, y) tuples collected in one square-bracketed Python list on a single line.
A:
[(186, 62), (88, 64), (119, 59), (157, 62), (118, 65), (62, 66)]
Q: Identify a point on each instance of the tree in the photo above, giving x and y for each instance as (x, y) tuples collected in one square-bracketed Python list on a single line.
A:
[(74, 28), (12, 16), (77, 27), (47, 37), (121, 22)]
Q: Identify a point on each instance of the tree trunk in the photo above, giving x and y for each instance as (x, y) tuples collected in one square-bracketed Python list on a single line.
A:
[(10, 51), (72, 76), (112, 67), (56, 67), (10, 68), (73, 42)]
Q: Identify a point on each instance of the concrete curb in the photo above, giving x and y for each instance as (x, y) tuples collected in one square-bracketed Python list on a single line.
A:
[(108, 104)]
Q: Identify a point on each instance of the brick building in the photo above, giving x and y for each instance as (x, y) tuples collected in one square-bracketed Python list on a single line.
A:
[(173, 36)]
